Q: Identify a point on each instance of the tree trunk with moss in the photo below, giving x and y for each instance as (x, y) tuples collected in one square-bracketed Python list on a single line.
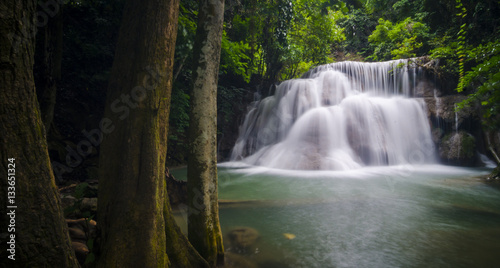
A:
[(134, 215), (34, 220), (203, 209)]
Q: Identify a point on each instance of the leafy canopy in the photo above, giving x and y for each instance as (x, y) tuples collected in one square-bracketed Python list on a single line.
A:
[(404, 39)]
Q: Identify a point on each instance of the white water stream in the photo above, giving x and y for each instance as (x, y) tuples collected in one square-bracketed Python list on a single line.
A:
[(342, 116)]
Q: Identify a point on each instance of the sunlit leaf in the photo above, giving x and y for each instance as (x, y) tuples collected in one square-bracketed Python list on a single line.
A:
[(289, 236)]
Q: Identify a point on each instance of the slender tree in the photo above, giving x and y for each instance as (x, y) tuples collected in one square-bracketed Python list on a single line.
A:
[(48, 60), (37, 235), (134, 215), (203, 209)]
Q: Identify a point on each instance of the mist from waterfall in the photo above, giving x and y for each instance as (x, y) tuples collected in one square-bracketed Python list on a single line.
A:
[(340, 116)]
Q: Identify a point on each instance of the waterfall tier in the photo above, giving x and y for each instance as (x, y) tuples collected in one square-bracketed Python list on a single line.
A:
[(339, 116)]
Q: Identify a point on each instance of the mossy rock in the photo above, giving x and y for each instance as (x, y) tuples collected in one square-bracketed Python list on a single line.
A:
[(458, 149)]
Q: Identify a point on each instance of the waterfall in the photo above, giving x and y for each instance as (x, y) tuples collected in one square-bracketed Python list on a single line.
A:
[(339, 116)]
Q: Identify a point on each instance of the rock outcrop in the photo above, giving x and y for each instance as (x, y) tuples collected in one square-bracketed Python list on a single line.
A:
[(457, 133)]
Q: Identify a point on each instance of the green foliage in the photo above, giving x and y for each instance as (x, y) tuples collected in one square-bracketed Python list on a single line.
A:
[(484, 78), (80, 190), (380, 6), (396, 10), (358, 25), (179, 117), (446, 52), (278, 14), (89, 42), (281, 36), (401, 40), (474, 64), (228, 100), (271, 40), (314, 34), (235, 59), (409, 8), (462, 13), (90, 259), (185, 32)]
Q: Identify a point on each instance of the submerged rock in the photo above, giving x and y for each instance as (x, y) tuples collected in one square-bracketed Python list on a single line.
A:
[(243, 239)]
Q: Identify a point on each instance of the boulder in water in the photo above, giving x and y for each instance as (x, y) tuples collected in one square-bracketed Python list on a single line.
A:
[(458, 148)]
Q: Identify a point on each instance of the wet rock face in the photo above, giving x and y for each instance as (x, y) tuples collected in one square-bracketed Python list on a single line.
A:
[(442, 111), (458, 149), (457, 133)]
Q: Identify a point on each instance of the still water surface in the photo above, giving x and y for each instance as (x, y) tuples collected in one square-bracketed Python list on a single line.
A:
[(403, 216)]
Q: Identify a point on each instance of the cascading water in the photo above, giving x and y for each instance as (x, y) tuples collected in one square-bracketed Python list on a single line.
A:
[(339, 116)]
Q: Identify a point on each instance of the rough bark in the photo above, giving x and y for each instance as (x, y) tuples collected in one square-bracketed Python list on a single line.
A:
[(48, 62), (40, 232), (203, 211), (134, 215)]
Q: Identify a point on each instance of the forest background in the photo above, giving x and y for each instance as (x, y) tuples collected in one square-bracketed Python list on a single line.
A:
[(265, 42)]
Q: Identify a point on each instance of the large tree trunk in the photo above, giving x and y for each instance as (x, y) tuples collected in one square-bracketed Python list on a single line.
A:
[(33, 221), (203, 210), (134, 215), (48, 61)]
